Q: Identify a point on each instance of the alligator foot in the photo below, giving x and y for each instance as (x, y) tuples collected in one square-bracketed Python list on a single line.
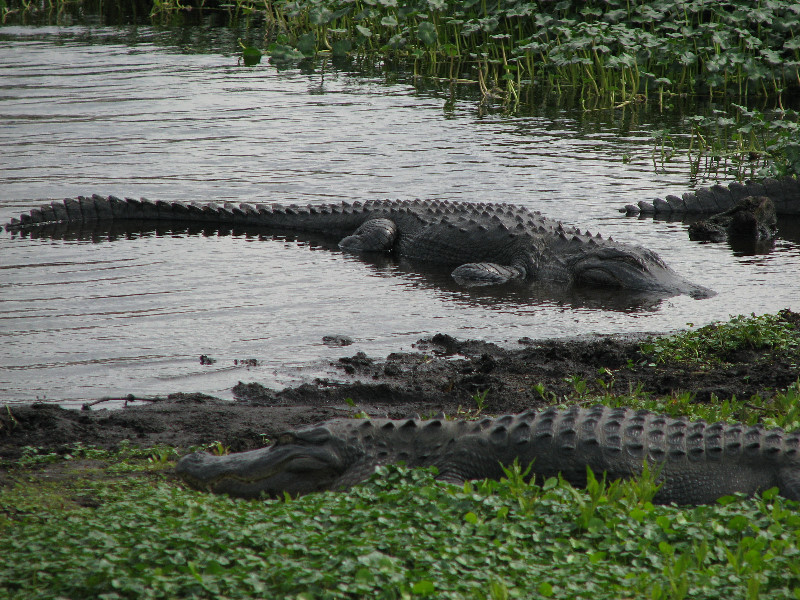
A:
[(482, 274), (375, 235)]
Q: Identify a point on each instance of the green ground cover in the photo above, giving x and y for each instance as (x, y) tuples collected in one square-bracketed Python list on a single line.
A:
[(401, 535)]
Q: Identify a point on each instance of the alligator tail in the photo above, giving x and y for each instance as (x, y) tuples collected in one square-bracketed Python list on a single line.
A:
[(790, 483), (784, 193), (342, 217)]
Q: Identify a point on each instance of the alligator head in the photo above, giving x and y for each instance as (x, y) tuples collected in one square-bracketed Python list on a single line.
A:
[(630, 268), (299, 462)]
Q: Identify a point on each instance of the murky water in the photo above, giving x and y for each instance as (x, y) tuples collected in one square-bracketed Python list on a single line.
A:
[(130, 112)]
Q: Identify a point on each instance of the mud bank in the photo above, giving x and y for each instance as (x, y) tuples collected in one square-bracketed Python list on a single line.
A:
[(442, 375)]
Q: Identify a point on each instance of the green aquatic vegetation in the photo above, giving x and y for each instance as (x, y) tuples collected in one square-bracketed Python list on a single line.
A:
[(736, 142), (400, 535), (615, 49), (250, 55)]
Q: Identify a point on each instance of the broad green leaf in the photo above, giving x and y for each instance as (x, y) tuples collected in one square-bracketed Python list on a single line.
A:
[(427, 33), (307, 44)]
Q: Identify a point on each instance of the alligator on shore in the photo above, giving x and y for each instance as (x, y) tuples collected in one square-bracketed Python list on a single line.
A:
[(784, 193), (488, 244), (696, 462)]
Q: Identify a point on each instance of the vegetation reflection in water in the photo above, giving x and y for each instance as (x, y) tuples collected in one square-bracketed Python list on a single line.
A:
[(613, 53)]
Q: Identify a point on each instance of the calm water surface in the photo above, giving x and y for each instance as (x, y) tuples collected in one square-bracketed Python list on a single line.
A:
[(129, 113)]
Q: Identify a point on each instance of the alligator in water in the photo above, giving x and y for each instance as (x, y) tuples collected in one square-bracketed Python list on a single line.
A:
[(752, 220), (489, 244), (696, 462), (784, 193)]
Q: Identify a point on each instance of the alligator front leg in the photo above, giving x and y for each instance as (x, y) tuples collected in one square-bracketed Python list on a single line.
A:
[(375, 235), (486, 273)]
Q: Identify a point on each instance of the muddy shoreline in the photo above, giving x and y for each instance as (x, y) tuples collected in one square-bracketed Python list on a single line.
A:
[(442, 375)]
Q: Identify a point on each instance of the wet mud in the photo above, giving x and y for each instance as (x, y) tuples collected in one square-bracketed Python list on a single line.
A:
[(442, 375)]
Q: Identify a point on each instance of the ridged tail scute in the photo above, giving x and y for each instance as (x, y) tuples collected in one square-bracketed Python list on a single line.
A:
[(790, 475), (784, 193), (110, 208), (341, 218)]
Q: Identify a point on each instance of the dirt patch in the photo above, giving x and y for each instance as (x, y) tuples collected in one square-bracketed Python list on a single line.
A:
[(443, 375)]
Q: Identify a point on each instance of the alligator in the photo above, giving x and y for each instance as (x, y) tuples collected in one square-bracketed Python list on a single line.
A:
[(488, 244), (751, 219), (696, 462), (784, 193)]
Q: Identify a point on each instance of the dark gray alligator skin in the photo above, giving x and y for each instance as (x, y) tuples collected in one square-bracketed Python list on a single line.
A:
[(698, 461), (784, 193), (488, 244)]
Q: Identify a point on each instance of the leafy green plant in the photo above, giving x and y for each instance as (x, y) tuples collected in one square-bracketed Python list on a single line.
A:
[(480, 400), (360, 413), (614, 49), (250, 55), (217, 448), (401, 534), (720, 340)]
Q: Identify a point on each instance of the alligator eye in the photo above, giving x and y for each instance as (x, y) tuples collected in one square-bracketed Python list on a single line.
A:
[(287, 437), (598, 277)]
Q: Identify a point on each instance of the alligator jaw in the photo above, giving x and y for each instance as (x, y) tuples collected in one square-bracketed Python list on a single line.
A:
[(644, 272), (268, 471)]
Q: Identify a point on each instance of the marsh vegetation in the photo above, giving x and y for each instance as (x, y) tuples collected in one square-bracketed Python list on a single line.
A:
[(741, 57)]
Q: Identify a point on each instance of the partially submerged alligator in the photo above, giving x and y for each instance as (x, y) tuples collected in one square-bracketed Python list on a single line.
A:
[(784, 193), (697, 462), (489, 244), (752, 219)]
